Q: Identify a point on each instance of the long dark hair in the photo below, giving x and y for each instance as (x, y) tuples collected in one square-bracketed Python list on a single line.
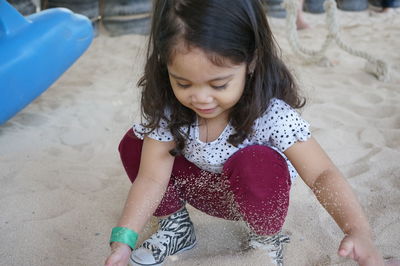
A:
[(236, 30)]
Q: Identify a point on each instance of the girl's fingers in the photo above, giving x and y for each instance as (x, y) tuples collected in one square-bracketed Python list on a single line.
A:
[(112, 260), (392, 262), (109, 262), (118, 257), (346, 248)]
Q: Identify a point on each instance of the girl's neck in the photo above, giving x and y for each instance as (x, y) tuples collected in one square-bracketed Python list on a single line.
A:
[(211, 129)]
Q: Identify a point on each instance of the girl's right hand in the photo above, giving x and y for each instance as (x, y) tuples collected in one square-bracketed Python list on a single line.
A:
[(120, 254)]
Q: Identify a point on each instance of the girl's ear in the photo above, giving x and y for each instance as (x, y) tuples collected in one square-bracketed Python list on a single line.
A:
[(252, 65)]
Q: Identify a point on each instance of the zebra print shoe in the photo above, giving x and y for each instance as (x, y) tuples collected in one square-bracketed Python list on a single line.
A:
[(272, 244), (175, 234)]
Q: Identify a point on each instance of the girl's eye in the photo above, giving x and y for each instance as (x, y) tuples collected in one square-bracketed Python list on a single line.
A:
[(220, 87), (184, 86)]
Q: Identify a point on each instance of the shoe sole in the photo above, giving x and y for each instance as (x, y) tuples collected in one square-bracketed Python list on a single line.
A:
[(134, 263)]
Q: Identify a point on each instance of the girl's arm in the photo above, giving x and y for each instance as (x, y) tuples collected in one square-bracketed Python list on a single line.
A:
[(150, 184), (337, 197), (145, 194)]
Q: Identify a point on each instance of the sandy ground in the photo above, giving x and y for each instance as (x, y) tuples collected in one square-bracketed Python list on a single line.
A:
[(62, 186)]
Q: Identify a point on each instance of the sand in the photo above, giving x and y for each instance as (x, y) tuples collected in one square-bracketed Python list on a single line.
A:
[(62, 186)]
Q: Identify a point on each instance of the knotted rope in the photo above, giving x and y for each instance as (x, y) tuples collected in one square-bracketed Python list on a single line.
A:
[(377, 67)]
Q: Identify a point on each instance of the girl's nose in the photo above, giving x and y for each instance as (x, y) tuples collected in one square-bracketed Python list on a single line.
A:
[(201, 97)]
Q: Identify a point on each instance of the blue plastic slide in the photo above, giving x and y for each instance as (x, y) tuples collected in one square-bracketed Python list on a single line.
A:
[(35, 51)]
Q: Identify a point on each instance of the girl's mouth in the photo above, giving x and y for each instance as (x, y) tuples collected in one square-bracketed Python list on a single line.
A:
[(206, 111)]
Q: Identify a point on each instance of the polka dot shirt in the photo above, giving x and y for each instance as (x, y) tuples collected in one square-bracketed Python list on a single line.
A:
[(279, 128)]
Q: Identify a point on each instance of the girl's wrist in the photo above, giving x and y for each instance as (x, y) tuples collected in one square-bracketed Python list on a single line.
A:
[(118, 245), (365, 232), (358, 227), (124, 235)]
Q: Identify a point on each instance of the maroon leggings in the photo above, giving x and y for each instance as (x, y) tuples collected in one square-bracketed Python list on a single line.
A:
[(254, 186)]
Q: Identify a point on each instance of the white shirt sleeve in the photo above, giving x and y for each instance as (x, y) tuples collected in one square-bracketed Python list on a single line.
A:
[(161, 133), (285, 125)]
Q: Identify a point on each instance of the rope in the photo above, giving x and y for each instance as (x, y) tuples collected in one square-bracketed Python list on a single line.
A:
[(377, 67)]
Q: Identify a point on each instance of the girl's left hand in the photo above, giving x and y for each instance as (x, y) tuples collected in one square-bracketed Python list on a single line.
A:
[(361, 249), (120, 254)]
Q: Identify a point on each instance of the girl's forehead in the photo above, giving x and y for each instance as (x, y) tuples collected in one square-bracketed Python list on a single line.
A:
[(195, 65), (184, 53)]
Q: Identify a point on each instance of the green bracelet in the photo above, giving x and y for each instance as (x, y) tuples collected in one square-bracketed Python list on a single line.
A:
[(124, 235)]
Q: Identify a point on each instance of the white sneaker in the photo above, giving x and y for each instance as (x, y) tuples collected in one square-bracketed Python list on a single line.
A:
[(175, 234)]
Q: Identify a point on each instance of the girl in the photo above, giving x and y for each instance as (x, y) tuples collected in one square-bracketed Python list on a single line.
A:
[(220, 132)]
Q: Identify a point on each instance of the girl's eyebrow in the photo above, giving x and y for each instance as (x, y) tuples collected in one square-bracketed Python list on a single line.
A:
[(215, 79)]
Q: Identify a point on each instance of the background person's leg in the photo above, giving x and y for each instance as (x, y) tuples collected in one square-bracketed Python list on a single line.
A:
[(387, 3), (300, 21)]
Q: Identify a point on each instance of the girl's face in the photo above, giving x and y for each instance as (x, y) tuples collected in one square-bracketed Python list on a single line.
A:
[(209, 90)]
